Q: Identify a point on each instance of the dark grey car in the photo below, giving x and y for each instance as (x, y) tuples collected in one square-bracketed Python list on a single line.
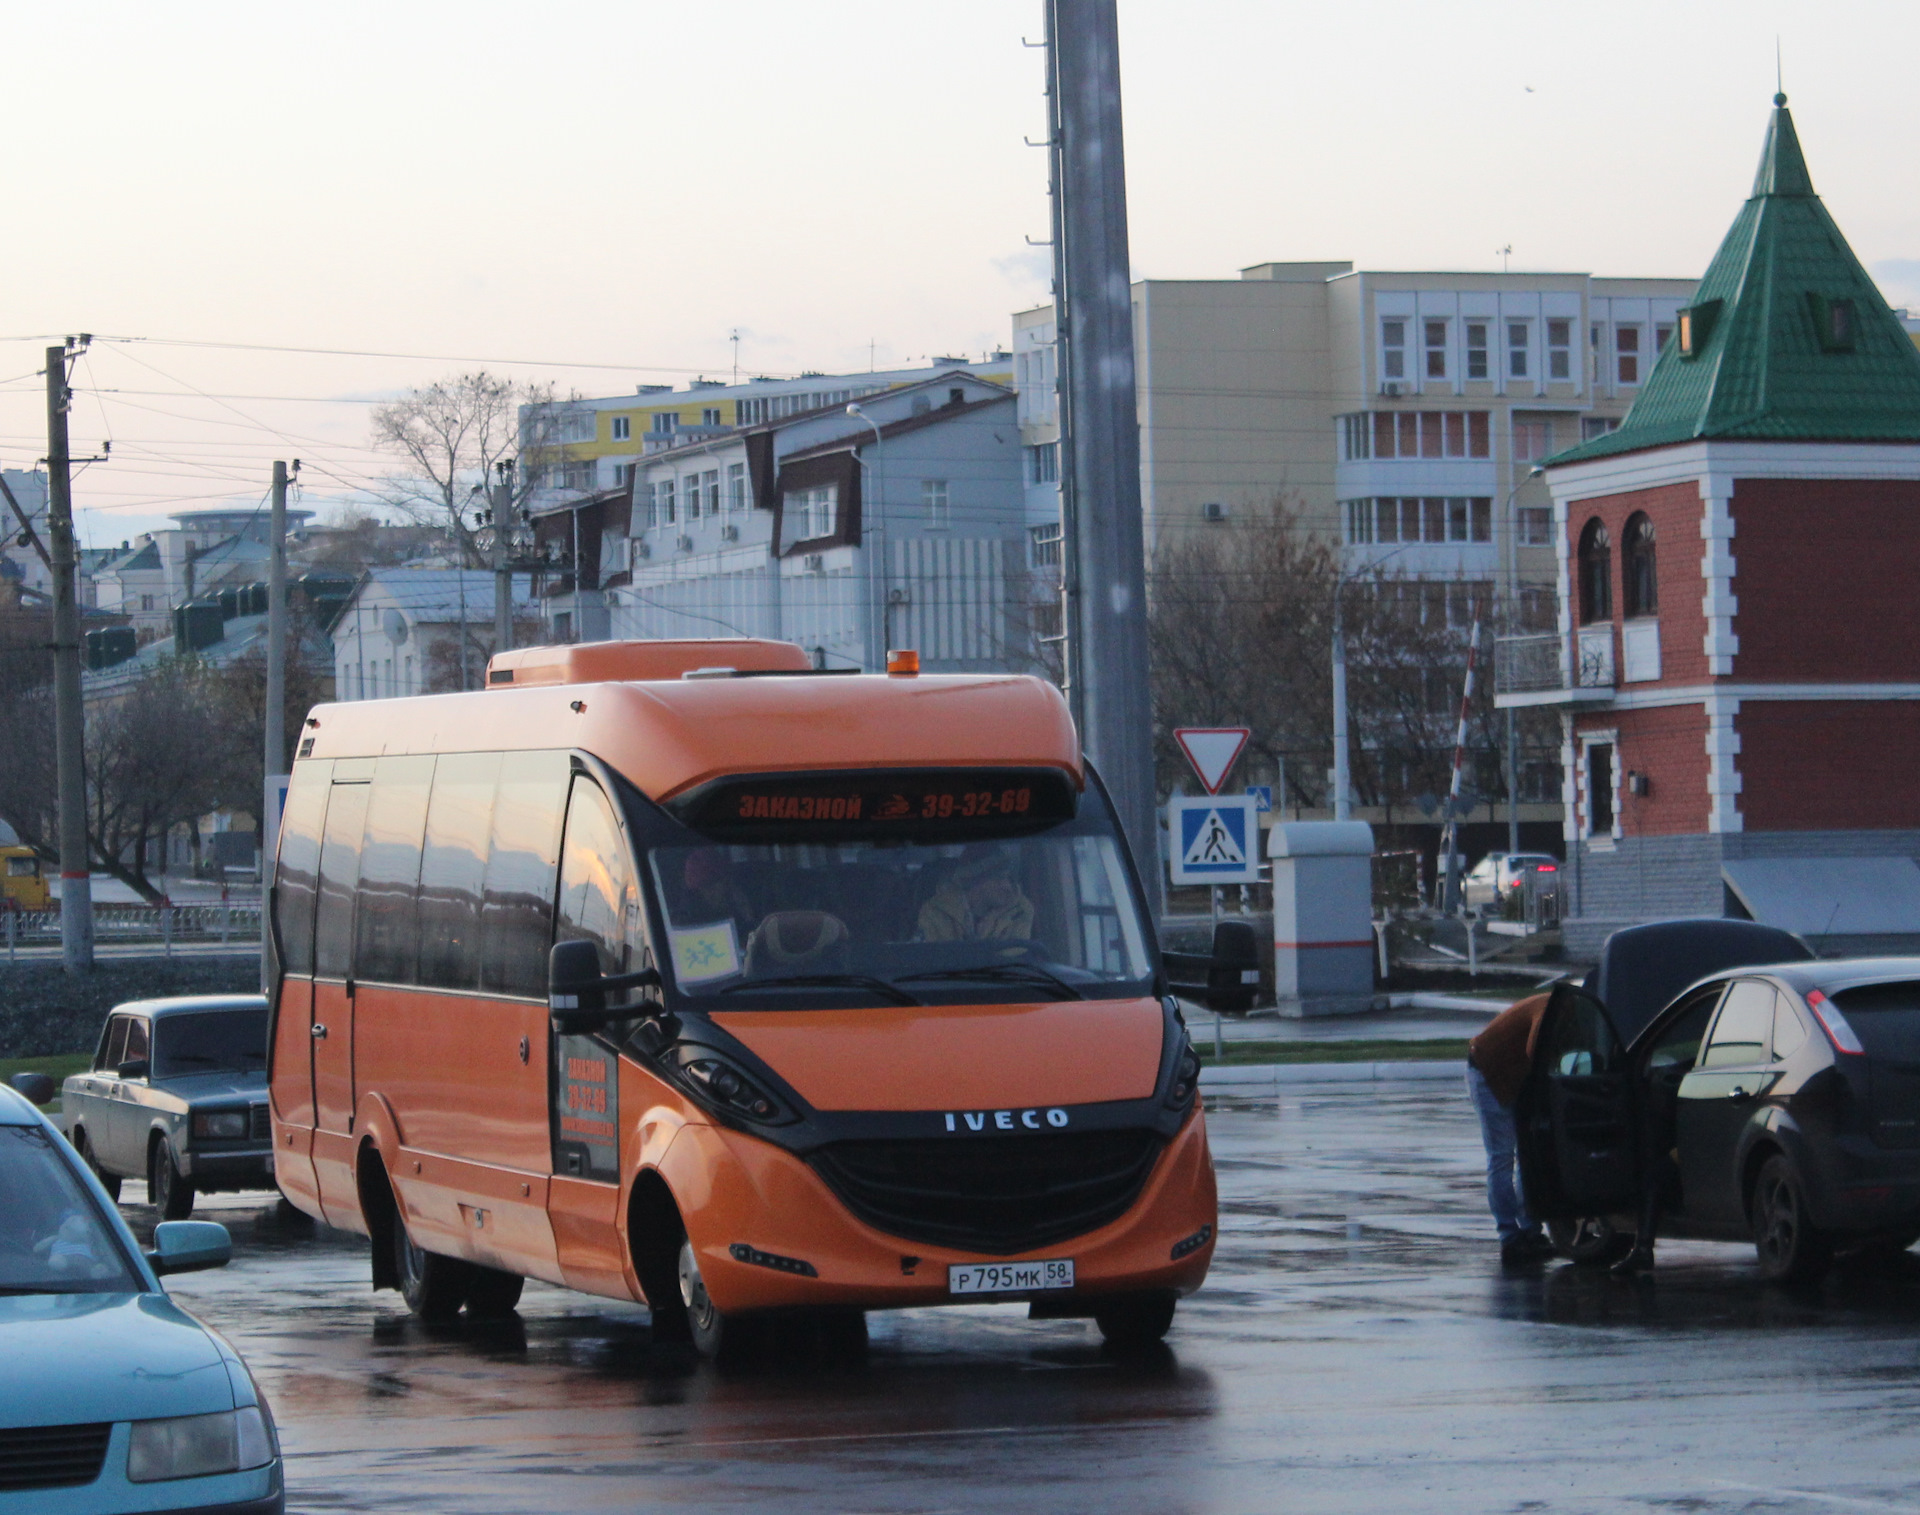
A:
[(1777, 1103), (177, 1095)]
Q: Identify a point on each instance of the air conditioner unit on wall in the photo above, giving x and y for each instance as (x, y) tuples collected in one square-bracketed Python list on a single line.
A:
[(814, 562), (685, 544), (1392, 389), (1213, 510), (729, 533)]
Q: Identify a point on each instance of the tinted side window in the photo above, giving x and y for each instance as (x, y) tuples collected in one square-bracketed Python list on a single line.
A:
[(516, 917), (452, 867), (1789, 1031), (387, 940), (339, 877), (1576, 1037), (298, 873), (1744, 1032), (599, 901), (1679, 1045), (139, 1040)]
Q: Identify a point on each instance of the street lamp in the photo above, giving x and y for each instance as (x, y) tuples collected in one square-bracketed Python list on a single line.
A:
[(1511, 516), (879, 614)]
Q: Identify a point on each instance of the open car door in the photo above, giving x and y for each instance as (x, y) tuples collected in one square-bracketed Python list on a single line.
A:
[(1575, 1115)]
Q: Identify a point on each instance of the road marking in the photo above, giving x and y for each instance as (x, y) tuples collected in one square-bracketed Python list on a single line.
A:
[(1844, 1501)]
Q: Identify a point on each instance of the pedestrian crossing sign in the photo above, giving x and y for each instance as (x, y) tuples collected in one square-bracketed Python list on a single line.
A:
[(1214, 839)]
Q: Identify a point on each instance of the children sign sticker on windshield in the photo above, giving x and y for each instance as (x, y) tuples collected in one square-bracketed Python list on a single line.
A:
[(1215, 839)]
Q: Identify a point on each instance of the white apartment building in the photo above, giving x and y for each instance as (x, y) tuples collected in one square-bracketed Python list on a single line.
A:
[(905, 526), (205, 550), (1399, 413)]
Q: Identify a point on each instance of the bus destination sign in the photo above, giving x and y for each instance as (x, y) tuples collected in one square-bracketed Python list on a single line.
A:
[(976, 801)]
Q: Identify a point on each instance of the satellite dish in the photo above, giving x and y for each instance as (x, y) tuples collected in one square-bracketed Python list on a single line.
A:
[(395, 626)]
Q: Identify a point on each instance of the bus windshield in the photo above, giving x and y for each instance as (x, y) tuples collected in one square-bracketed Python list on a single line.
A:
[(1049, 915)]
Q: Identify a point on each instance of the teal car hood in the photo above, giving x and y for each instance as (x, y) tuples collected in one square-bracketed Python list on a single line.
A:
[(75, 1358)]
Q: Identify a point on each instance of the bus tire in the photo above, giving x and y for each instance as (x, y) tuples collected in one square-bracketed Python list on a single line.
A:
[(491, 1293), (83, 1144), (716, 1336), (168, 1189), (433, 1286), (1134, 1324)]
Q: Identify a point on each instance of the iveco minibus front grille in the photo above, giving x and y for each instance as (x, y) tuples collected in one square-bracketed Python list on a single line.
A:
[(983, 1194), (52, 1457)]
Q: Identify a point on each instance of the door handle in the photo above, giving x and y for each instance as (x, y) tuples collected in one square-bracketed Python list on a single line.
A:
[(1737, 1092), (319, 1032)]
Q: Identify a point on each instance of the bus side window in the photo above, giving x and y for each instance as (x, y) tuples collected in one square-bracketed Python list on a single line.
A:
[(451, 868), (298, 874), (339, 877), (516, 915), (599, 901), (387, 937)]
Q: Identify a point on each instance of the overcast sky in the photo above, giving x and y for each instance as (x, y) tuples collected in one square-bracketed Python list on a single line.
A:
[(625, 184)]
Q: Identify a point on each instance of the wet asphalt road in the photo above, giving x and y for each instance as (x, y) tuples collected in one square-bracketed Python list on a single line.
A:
[(1357, 1348)]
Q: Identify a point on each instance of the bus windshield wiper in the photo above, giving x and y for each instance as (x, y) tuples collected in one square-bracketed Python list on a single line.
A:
[(1031, 973), (886, 990)]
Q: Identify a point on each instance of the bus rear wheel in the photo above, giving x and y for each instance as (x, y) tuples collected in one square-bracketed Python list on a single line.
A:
[(433, 1286), (491, 1293), (1134, 1324)]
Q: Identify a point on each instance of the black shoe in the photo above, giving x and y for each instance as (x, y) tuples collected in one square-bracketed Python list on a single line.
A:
[(1636, 1264), (1525, 1247)]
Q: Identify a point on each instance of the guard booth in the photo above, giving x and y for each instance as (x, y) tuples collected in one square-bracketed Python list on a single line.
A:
[(1322, 916)]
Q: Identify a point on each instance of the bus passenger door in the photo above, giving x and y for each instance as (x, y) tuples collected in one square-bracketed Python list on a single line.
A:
[(331, 1024), (294, 876), (599, 901)]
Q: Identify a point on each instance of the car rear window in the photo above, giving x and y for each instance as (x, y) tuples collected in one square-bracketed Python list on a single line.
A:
[(211, 1041), (1886, 1017), (54, 1239)]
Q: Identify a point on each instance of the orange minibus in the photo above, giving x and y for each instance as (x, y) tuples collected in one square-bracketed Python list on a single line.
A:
[(686, 973)]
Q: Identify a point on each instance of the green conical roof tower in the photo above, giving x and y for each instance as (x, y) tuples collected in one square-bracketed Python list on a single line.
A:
[(1787, 338)]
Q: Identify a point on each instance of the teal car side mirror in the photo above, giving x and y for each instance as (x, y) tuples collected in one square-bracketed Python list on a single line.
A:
[(38, 1087), (187, 1246)]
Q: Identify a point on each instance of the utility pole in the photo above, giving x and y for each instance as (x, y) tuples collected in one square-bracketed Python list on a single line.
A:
[(76, 872), (502, 557), (1342, 778), (1103, 535), (274, 754)]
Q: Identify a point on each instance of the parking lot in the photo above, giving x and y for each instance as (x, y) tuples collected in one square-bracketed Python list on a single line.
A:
[(1357, 1348)]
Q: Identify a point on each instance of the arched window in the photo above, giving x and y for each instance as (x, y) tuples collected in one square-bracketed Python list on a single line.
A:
[(1596, 573), (1642, 584)]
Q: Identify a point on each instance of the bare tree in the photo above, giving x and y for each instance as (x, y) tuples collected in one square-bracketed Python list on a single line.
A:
[(150, 766), (452, 435)]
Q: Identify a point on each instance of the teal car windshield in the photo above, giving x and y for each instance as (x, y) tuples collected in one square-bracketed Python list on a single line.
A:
[(54, 1240)]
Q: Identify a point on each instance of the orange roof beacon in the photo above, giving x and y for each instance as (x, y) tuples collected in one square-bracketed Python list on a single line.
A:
[(685, 972)]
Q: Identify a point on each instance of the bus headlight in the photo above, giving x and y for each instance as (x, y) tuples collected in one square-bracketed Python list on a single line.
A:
[(727, 1086), (198, 1446), (1186, 1078)]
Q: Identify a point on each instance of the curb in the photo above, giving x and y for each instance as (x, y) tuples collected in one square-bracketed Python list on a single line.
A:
[(1263, 1078)]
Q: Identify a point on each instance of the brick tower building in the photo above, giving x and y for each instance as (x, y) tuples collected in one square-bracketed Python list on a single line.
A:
[(1738, 661)]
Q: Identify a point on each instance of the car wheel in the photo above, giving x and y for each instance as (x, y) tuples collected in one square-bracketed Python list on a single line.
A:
[(83, 1144), (1134, 1324), (1792, 1250), (433, 1286), (1589, 1242), (491, 1293), (169, 1190)]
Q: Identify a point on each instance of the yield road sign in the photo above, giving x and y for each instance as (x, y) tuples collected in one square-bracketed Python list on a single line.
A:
[(1215, 839), (1212, 750)]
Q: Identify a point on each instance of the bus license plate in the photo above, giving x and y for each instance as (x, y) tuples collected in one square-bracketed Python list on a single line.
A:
[(1010, 1278)]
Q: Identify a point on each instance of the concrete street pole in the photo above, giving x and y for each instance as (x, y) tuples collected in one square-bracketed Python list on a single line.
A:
[(1100, 486), (1342, 782), (274, 748), (502, 561), (69, 719), (873, 538)]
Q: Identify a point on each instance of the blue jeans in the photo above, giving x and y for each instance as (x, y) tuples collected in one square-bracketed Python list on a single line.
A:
[(1504, 1199)]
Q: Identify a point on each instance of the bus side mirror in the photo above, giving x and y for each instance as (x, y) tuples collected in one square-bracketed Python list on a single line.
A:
[(576, 995)]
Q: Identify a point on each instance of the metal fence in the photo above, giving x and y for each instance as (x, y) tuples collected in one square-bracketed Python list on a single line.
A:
[(165, 925)]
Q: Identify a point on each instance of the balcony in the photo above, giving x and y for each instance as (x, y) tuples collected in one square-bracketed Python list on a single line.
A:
[(1533, 670)]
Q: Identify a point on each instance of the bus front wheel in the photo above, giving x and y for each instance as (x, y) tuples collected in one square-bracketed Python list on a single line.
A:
[(1134, 1324), (716, 1336)]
